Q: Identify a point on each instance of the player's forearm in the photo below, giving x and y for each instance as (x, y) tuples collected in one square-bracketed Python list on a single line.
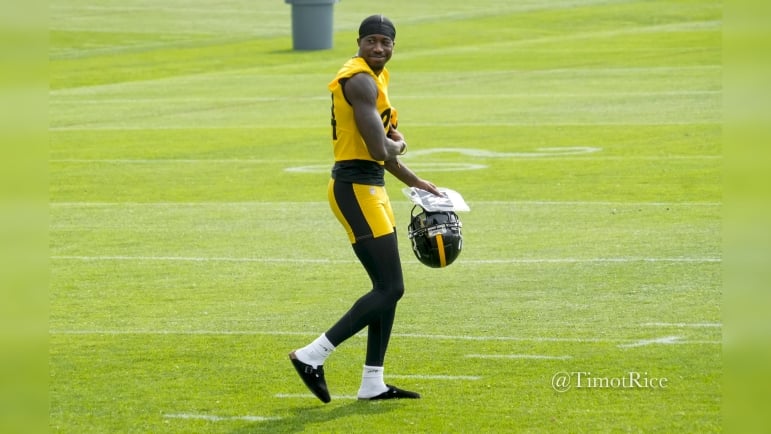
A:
[(402, 172)]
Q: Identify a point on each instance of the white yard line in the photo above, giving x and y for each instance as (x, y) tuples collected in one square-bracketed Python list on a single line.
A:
[(215, 418), (325, 166), (666, 340), (141, 258), (436, 377), (621, 342), (683, 324), (308, 395), (517, 356), (326, 204)]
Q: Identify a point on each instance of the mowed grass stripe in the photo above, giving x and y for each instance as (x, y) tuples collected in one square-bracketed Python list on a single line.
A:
[(496, 46), (226, 85)]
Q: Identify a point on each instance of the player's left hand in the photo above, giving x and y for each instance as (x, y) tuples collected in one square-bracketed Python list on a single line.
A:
[(428, 186)]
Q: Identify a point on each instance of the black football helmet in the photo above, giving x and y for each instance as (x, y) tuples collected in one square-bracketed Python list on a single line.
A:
[(436, 237)]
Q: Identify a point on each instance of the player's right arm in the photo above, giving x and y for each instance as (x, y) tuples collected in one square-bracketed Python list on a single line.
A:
[(361, 91)]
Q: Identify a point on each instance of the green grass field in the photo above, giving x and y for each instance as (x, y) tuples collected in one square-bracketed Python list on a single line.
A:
[(192, 246)]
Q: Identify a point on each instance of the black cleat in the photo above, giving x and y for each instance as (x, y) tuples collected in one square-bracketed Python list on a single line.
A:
[(312, 377), (394, 393)]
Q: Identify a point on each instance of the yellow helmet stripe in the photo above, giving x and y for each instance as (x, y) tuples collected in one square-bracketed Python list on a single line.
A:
[(440, 246)]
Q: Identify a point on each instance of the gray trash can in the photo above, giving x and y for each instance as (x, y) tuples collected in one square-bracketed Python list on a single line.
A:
[(312, 24)]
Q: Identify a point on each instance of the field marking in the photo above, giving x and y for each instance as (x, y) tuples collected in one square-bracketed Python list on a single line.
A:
[(683, 324), (436, 377), (517, 356), (577, 203), (566, 153), (540, 339), (434, 166), (590, 260), (480, 203), (172, 160), (179, 333), (542, 152), (75, 99), (214, 418), (589, 340), (308, 395), (205, 259), (666, 340), (697, 260)]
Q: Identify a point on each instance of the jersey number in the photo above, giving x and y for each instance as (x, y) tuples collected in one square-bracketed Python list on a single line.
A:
[(385, 116)]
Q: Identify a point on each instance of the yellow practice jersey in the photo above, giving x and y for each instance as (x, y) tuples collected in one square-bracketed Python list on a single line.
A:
[(346, 139)]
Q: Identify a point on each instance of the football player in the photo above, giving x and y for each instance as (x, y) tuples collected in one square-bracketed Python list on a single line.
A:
[(366, 143)]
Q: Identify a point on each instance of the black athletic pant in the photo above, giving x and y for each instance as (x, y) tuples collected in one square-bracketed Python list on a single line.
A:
[(375, 309), (380, 257)]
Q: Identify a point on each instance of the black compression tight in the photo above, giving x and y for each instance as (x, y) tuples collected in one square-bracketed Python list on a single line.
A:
[(377, 308)]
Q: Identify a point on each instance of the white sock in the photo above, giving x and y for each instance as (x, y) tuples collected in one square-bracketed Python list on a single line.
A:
[(372, 383), (316, 352)]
